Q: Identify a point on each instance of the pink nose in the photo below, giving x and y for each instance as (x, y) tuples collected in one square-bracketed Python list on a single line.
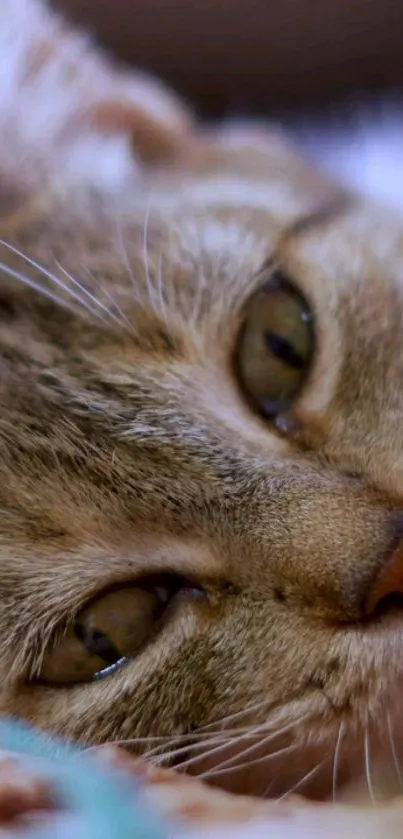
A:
[(388, 584)]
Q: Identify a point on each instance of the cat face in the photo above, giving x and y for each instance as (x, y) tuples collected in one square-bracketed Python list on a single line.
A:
[(201, 475)]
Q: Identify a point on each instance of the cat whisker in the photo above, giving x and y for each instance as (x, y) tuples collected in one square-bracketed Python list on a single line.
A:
[(163, 741), (367, 758), (247, 750), (226, 736), (125, 256), (124, 319), (201, 284), (267, 790), (252, 707), (155, 291), (145, 249), (210, 735), (45, 292), (115, 305), (188, 747), (196, 741), (88, 294), (246, 736), (212, 773), (303, 780), (336, 759), (394, 752), (160, 291), (132, 741), (48, 275)]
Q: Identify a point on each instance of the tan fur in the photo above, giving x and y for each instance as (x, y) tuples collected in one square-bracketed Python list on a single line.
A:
[(127, 447)]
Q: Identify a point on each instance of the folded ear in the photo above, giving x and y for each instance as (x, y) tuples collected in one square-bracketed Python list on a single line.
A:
[(141, 107), (69, 115)]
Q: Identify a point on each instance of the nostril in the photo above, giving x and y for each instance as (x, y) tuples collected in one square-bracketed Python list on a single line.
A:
[(387, 590)]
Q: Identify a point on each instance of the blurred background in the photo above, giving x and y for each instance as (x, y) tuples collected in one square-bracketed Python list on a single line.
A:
[(250, 56)]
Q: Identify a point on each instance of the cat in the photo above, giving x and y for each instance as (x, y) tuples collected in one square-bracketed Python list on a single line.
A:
[(201, 478)]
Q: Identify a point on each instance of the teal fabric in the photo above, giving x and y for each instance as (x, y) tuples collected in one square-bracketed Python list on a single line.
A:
[(99, 805)]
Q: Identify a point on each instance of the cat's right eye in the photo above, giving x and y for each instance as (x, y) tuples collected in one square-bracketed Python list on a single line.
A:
[(111, 629), (275, 346)]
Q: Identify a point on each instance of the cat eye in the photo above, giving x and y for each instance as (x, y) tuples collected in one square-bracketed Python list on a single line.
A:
[(106, 633), (275, 346)]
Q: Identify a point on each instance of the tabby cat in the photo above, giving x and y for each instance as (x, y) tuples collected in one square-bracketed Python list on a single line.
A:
[(201, 471)]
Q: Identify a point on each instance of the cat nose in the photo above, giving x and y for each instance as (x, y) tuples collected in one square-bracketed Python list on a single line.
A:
[(387, 588)]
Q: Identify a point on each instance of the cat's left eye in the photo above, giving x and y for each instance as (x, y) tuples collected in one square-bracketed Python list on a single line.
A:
[(275, 346), (112, 628)]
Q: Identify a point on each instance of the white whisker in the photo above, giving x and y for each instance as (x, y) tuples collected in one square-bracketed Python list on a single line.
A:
[(267, 790), (145, 249), (30, 283), (154, 290), (132, 741), (160, 291), (155, 294), (253, 707), (303, 780), (197, 741), (236, 740), (227, 736), (367, 756), (125, 319), (394, 752), (189, 747), (219, 770), (210, 735), (55, 280), (88, 294), (201, 284), (125, 255), (336, 759), (261, 742), (164, 741)]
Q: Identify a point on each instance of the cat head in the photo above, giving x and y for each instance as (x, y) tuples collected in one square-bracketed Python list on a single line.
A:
[(201, 476)]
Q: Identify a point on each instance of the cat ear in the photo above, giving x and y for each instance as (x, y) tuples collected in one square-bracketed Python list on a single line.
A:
[(144, 110), (123, 123), (69, 115)]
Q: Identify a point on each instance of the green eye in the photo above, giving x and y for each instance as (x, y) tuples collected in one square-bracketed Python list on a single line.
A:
[(275, 346), (108, 631)]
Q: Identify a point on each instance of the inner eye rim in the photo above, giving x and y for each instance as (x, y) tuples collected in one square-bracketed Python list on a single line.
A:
[(269, 409)]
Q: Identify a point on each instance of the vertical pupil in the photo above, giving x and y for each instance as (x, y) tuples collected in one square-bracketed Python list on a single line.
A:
[(283, 350), (97, 643)]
